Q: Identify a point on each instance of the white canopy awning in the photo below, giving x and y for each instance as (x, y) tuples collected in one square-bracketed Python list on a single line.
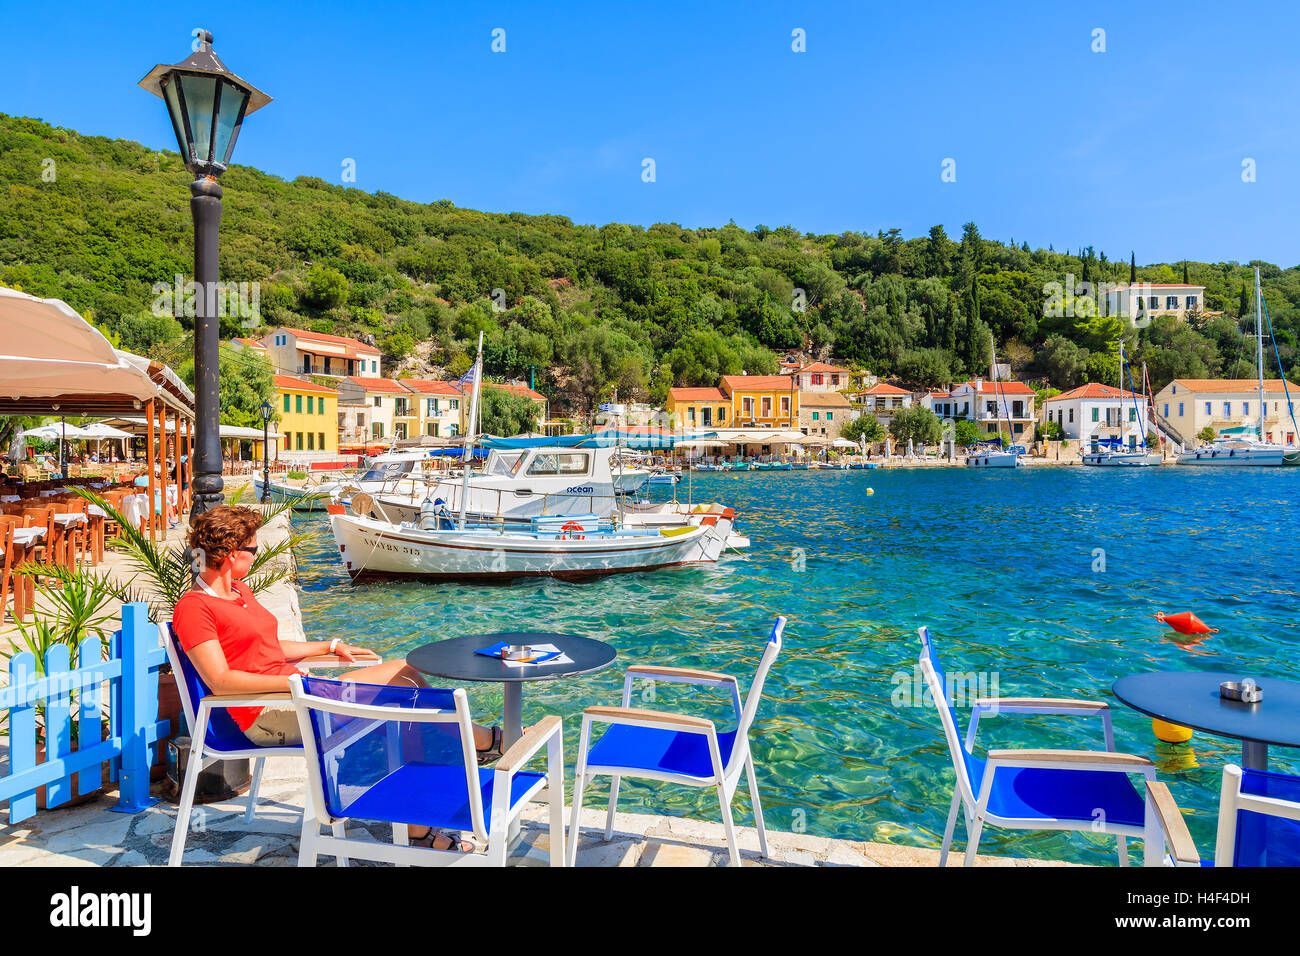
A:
[(758, 436), (138, 426), (54, 361), (844, 443), (100, 430)]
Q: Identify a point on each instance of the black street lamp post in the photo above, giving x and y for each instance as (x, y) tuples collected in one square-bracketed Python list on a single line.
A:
[(207, 104), (266, 453)]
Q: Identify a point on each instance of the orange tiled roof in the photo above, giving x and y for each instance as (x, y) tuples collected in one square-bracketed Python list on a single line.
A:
[(1006, 388), (516, 389), (823, 400), (823, 367), (1233, 384), (377, 384), (881, 388), (432, 388), (1094, 390), (334, 339), (696, 395), (758, 383), (250, 343), (289, 383)]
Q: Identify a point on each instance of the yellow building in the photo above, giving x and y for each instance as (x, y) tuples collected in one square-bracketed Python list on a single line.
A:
[(439, 406), (309, 416), (698, 408), (766, 401)]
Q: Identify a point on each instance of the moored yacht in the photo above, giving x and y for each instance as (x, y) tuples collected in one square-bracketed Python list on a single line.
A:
[(1244, 445)]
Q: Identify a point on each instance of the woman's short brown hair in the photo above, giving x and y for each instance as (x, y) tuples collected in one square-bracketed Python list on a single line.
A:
[(221, 530)]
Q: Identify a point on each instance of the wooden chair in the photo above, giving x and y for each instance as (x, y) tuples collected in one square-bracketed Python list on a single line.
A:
[(51, 545), (19, 583), (76, 537)]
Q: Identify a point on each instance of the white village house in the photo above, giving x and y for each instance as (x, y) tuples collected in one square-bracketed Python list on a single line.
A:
[(1095, 411)]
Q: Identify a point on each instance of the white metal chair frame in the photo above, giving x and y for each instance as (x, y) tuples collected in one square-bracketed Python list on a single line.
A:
[(725, 779), (1179, 850), (202, 754), (975, 805), (547, 732)]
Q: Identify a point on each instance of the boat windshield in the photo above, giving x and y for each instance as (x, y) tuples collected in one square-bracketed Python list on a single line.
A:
[(506, 464), (384, 471)]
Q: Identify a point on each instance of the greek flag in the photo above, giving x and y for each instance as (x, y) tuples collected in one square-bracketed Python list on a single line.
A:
[(467, 378)]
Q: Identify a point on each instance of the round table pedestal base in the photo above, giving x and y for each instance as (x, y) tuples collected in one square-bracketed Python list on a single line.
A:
[(512, 714), (1254, 755)]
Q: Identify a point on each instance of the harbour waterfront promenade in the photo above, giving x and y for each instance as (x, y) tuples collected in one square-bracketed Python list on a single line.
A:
[(92, 834)]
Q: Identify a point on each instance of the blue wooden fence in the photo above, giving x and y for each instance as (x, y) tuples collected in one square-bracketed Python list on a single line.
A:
[(131, 674)]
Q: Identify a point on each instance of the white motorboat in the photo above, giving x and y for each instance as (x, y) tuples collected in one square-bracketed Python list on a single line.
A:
[(394, 472), (523, 479), (1244, 445), (994, 456), (574, 547), (1230, 450), (1111, 453)]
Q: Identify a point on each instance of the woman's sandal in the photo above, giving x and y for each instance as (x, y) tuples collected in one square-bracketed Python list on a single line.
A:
[(493, 750), (452, 841)]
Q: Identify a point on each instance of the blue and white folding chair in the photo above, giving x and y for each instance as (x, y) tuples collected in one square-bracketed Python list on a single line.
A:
[(676, 748), (1086, 790), (406, 756), (1259, 821), (214, 735)]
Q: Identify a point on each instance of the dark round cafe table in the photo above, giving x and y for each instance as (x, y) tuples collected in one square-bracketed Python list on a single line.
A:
[(1191, 698), (455, 659)]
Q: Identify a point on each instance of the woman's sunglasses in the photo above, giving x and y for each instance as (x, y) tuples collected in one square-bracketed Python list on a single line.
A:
[(250, 550)]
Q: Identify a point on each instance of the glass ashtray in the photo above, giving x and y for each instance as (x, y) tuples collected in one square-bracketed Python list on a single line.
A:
[(517, 652)]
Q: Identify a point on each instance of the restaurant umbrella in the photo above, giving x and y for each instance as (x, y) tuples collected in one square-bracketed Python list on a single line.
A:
[(99, 431), (56, 433)]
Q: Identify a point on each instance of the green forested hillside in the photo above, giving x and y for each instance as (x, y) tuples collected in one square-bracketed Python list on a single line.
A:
[(590, 307)]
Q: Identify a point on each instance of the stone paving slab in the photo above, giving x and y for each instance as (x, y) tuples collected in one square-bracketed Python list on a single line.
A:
[(93, 835)]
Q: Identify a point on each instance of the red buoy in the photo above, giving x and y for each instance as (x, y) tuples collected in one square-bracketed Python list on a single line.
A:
[(1185, 622)]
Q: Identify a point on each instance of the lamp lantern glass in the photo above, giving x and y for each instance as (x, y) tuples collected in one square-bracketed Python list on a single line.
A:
[(207, 105)]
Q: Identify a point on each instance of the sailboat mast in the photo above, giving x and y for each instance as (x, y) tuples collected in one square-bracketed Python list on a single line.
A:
[(469, 439), (993, 353), (1259, 339)]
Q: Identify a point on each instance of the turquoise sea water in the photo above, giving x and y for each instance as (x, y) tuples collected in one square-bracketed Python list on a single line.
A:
[(1005, 569)]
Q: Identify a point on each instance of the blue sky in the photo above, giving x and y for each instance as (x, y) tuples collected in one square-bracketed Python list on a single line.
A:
[(1140, 147)]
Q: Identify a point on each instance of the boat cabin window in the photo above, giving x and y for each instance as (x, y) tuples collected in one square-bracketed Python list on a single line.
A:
[(383, 471), (506, 465), (567, 463)]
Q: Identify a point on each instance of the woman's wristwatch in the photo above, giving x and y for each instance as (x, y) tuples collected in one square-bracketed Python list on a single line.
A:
[(334, 645)]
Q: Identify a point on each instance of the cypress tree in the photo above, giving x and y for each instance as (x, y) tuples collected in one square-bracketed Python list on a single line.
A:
[(1243, 302), (1132, 268), (1185, 272)]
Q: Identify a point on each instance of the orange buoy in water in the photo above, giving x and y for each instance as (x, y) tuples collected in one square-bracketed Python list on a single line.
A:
[(1185, 622)]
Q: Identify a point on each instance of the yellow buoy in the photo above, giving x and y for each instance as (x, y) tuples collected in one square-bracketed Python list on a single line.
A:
[(871, 491), (1170, 733)]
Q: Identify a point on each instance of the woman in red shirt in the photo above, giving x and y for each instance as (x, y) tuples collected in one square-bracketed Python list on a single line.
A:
[(234, 645)]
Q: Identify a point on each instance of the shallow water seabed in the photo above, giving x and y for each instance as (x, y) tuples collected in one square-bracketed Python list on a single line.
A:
[(1039, 582)]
